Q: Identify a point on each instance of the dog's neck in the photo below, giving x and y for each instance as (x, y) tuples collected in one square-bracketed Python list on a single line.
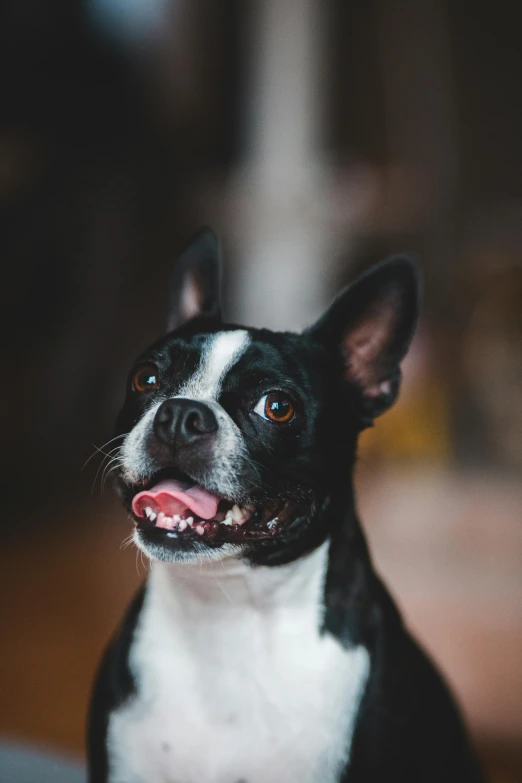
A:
[(231, 584)]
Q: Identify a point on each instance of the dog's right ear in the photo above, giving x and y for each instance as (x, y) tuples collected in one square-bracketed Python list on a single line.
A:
[(371, 324), (194, 285)]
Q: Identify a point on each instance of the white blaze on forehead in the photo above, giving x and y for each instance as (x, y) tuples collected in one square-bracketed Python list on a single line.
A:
[(219, 355)]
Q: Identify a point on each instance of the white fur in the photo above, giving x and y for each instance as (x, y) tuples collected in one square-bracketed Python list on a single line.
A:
[(136, 461), (218, 356), (235, 682)]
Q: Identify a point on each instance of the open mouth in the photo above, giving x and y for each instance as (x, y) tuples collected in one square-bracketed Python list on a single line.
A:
[(185, 510)]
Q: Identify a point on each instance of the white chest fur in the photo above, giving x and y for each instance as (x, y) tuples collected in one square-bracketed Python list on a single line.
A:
[(235, 683)]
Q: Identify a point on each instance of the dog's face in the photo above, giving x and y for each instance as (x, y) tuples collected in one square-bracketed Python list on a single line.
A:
[(234, 438)]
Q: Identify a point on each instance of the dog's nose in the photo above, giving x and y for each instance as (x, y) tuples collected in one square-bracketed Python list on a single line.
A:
[(181, 422)]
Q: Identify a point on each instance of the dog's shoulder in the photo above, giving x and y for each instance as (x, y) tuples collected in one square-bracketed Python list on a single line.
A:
[(114, 684)]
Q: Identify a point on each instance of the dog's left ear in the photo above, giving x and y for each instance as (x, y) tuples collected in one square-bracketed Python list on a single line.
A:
[(372, 323), (194, 285)]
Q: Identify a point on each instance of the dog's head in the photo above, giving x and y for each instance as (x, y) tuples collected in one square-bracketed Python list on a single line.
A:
[(234, 439)]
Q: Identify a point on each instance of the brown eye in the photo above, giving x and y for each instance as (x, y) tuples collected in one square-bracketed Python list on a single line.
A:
[(145, 378), (276, 406)]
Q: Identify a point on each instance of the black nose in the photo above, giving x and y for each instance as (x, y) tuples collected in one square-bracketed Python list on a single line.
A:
[(181, 422)]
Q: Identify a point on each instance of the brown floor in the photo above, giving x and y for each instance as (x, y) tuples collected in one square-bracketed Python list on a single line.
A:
[(64, 591), (457, 577)]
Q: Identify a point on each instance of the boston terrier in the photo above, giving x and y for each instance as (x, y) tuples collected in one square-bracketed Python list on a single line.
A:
[(263, 647)]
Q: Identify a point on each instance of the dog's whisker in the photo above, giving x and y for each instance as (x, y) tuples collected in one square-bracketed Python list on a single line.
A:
[(108, 470), (102, 488), (100, 450), (125, 544), (115, 458), (103, 464)]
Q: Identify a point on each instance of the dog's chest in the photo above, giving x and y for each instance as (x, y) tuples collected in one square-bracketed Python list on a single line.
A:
[(240, 689)]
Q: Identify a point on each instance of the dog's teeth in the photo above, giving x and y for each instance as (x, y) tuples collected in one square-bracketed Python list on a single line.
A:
[(237, 514), (229, 519), (148, 512), (190, 521), (182, 525), (152, 516), (240, 515), (199, 529)]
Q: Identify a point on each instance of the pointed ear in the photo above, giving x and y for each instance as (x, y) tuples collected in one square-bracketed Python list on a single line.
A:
[(194, 285), (371, 325)]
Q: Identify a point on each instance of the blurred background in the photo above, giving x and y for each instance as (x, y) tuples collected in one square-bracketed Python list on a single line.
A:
[(316, 137)]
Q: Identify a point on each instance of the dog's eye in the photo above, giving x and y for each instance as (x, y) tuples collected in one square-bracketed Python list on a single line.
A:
[(145, 378), (276, 406)]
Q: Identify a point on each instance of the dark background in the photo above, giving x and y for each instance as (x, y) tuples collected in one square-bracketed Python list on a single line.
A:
[(124, 126)]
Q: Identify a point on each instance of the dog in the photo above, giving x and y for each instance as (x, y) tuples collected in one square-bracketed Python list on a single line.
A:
[(263, 647)]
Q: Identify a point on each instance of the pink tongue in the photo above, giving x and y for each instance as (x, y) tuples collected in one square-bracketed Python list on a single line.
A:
[(173, 497)]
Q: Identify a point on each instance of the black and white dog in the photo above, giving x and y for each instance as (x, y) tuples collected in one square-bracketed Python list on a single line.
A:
[(263, 647)]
